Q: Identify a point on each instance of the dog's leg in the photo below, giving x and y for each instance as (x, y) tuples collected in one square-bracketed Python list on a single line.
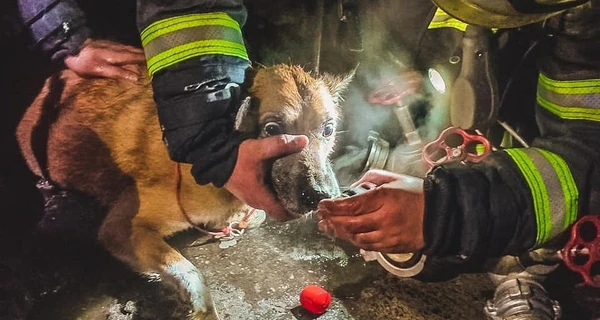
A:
[(142, 247), (156, 258)]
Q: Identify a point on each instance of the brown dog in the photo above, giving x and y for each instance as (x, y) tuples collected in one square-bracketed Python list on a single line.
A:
[(101, 137)]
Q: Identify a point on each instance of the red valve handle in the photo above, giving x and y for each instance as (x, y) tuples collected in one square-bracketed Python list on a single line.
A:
[(582, 250), (396, 89), (387, 96), (487, 147), (457, 153)]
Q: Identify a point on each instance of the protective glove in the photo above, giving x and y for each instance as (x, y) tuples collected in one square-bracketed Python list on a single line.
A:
[(387, 218)]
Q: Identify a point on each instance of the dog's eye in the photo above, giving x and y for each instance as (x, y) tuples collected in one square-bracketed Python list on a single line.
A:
[(328, 130), (272, 129)]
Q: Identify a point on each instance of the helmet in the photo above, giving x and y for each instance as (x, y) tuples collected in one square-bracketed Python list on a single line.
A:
[(504, 13)]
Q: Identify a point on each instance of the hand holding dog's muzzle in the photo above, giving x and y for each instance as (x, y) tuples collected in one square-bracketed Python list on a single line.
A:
[(248, 180), (387, 218)]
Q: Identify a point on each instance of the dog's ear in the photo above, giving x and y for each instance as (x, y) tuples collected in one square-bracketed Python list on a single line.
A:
[(337, 85), (246, 119)]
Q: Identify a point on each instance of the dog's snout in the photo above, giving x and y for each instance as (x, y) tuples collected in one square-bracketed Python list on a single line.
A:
[(311, 198)]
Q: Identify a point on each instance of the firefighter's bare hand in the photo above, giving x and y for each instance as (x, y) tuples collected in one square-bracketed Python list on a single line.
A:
[(387, 218), (107, 59), (247, 182)]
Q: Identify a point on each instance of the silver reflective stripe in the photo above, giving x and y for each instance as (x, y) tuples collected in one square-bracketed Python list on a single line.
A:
[(553, 190), (570, 99)]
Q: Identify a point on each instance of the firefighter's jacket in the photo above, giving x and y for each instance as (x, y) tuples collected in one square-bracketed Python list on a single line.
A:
[(58, 28), (524, 198)]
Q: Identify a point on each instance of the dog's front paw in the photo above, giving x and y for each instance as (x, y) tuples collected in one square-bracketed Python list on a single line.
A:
[(192, 287), (205, 316)]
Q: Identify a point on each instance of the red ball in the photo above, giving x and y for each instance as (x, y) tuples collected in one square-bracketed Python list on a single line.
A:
[(315, 299)]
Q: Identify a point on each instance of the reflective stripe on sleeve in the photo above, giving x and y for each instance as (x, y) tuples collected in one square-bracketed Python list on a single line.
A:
[(570, 100), (442, 20), (553, 190), (170, 41)]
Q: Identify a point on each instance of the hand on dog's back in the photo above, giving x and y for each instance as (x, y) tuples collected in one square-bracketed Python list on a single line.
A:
[(247, 182)]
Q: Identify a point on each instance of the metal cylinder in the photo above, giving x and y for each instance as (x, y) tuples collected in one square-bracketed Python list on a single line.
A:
[(521, 298), (407, 125), (379, 150)]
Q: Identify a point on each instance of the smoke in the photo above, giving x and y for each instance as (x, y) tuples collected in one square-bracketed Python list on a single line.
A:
[(438, 116), (286, 32), (382, 63), (429, 108)]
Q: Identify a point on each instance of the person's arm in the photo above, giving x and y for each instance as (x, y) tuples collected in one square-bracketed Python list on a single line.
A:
[(515, 200), (522, 198), (197, 59), (59, 29), (194, 52)]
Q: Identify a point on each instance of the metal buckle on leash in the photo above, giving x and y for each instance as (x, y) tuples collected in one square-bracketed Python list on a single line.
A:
[(455, 144)]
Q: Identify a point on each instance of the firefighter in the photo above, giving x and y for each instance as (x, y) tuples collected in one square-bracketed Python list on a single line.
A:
[(518, 198), (197, 59), (511, 213)]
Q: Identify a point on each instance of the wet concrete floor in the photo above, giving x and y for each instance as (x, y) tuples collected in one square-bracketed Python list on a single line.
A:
[(261, 278)]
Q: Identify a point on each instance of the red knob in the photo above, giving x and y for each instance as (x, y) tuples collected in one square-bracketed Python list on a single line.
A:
[(582, 253)]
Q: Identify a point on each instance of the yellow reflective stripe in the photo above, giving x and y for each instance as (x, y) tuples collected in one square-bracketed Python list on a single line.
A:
[(570, 99), (480, 148), (539, 193), (567, 183), (553, 190), (173, 24), (173, 40), (569, 112), (181, 37), (442, 20), (448, 24), (588, 86), (194, 49)]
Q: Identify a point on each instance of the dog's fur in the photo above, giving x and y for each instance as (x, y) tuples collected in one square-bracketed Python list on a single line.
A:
[(101, 137)]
